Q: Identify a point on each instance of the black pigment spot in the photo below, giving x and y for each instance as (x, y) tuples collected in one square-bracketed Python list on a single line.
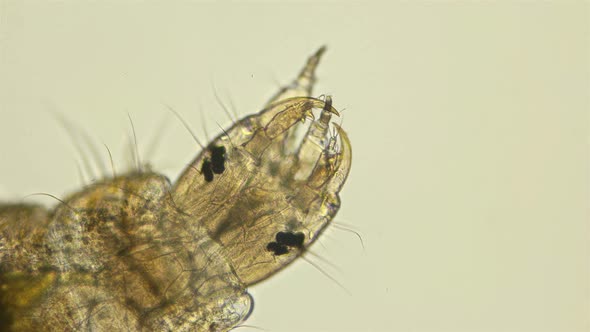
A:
[(214, 164), (217, 159), (206, 170), (285, 241), (277, 249), (290, 239)]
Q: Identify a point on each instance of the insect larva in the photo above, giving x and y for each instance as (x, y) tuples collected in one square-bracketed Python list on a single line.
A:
[(137, 253)]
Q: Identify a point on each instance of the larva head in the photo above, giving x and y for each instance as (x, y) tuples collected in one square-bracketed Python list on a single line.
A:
[(277, 192)]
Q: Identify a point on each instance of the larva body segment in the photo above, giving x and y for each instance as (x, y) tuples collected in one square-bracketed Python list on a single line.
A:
[(118, 257), (136, 253)]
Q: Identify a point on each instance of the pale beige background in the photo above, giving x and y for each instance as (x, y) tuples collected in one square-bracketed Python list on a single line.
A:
[(469, 124)]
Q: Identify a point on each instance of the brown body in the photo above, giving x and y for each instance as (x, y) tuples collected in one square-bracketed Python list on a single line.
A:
[(135, 253)]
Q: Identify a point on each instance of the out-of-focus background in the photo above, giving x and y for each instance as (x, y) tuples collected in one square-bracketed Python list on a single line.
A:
[(469, 123)]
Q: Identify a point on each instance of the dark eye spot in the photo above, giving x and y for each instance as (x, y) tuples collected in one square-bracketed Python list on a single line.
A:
[(285, 241), (217, 159), (215, 164), (290, 239), (277, 249), (206, 170)]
